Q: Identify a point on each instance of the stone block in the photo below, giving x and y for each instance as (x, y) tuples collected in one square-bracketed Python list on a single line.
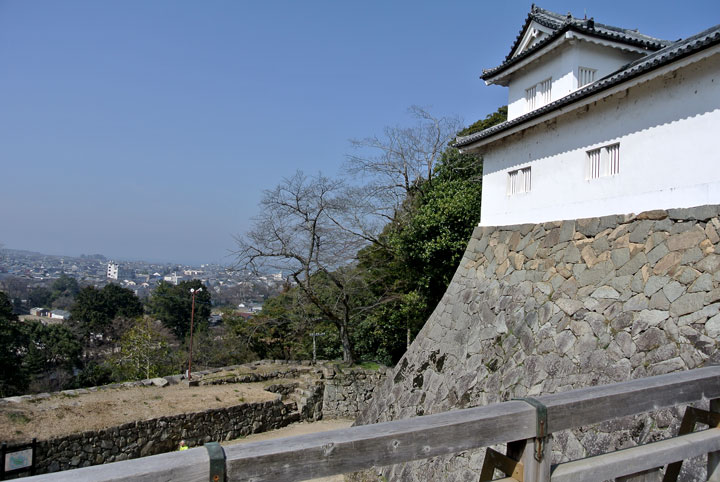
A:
[(632, 266), (668, 263), (648, 318), (620, 256), (686, 275), (570, 307), (641, 230), (692, 255), (699, 213), (709, 264), (588, 226), (596, 274), (572, 254), (712, 327), (654, 284), (657, 253), (707, 246), (606, 292), (703, 283), (711, 233), (650, 339), (713, 296), (654, 215), (638, 302), (686, 240), (673, 290), (567, 231), (659, 301), (667, 366), (687, 303), (622, 321), (159, 382)]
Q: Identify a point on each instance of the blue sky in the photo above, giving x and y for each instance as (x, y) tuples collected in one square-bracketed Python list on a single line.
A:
[(148, 129)]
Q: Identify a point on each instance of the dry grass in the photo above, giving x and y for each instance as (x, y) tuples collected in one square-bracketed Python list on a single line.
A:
[(64, 415)]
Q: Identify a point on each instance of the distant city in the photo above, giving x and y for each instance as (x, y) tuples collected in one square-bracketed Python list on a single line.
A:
[(230, 288)]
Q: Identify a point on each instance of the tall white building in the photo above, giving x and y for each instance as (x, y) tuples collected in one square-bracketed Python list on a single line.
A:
[(113, 270), (601, 120), (116, 272)]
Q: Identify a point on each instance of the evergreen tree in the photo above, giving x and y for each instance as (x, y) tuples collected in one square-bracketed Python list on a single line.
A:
[(13, 344), (172, 305)]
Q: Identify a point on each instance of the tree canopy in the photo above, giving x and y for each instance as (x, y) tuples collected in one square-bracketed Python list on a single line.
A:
[(172, 304), (428, 195), (94, 309), (13, 378)]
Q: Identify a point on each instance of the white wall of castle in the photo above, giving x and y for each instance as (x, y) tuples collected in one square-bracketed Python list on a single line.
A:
[(562, 67), (668, 129)]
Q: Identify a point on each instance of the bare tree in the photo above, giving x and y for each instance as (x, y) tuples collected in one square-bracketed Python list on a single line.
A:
[(396, 161), (297, 232)]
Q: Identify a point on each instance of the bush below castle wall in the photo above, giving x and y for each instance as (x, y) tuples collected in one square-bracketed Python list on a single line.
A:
[(538, 309)]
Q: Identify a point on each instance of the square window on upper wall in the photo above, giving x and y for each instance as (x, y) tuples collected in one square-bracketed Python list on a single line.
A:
[(538, 95), (519, 181), (585, 76), (602, 162)]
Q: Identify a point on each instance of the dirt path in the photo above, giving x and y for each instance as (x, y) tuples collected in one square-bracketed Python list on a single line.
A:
[(299, 429), (64, 415)]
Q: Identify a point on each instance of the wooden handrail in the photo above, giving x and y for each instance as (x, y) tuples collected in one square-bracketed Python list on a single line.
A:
[(356, 448)]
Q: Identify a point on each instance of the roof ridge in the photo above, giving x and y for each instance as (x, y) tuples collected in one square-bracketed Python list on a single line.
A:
[(557, 21)]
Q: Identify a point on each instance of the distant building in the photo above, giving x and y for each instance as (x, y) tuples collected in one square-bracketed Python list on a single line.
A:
[(173, 278), (60, 315), (112, 270), (116, 272), (39, 312)]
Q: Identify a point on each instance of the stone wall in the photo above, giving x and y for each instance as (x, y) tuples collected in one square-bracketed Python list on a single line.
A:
[(348, 391), (155, 436), (308, 400), (538, 309)]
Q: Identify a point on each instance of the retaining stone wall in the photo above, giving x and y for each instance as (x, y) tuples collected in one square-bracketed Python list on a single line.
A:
[(349, 391), (538, 309), (150, 437)]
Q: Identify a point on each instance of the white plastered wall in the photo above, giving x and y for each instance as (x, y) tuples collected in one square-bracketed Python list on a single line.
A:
[(561, 65), (669, 134)]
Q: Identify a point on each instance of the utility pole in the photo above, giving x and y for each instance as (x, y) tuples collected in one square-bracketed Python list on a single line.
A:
[(192, 319), (315, 335)]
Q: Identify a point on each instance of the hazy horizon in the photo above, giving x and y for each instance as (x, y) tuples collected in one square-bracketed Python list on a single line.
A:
[(148, 130)]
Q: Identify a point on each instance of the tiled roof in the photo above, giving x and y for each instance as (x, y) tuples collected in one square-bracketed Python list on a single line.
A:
[(667, 55), (559, 24)]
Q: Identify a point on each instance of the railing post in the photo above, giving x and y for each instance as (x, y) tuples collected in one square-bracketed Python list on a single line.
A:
[(713, 459), (526, 452), (537, 470), (535, 453)]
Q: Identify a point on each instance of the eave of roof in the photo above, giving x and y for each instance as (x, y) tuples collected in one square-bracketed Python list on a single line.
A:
[(652, 61), (561, 24)]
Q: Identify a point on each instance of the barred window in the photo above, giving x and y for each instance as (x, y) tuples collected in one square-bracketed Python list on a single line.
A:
[(538, 95), (519, 181), (586, 76), (530, 98), (603, 162)]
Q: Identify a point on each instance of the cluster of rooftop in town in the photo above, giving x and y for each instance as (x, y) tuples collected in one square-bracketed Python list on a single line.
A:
[(141, 277)]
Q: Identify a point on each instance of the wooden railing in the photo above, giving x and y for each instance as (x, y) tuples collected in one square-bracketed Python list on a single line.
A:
[(519, 423)]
